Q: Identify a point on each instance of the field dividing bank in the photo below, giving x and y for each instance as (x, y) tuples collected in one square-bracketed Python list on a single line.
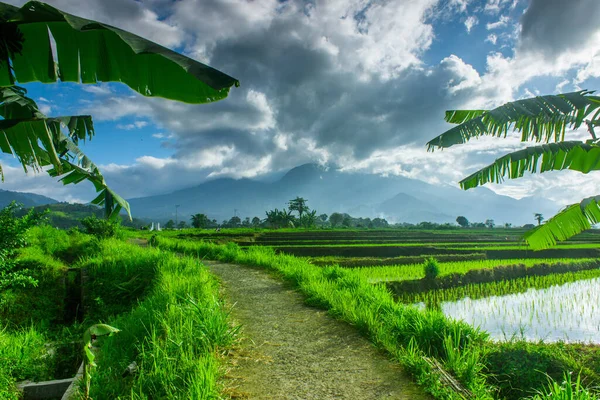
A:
[(410, 251), (415, 337), (415, 271)]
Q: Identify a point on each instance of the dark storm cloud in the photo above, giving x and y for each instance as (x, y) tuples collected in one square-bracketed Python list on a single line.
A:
[(554, 26)]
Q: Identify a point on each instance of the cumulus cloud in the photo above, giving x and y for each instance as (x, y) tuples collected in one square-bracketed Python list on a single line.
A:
[(339, 82)]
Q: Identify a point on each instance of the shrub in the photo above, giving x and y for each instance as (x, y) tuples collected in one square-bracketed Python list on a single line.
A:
[(12, 237), (431, 268), (101, 228)]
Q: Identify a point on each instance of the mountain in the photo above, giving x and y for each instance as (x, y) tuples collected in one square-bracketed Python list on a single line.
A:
[(396, 198), (27, 199)]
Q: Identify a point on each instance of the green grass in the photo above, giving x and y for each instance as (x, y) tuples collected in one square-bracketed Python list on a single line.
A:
[(407, 333), (415, 271), (23, 355), (180, 317)]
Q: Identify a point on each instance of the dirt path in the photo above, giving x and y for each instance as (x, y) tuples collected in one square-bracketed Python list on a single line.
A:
[(292, 351)]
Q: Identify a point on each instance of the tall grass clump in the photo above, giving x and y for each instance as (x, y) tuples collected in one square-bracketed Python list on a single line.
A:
[(406, 332), (431, 269), (22, 356), (175, 328), (566, 390)]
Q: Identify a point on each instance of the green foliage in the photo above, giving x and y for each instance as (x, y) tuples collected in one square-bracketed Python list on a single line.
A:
[(298, 204), (111, 54), (336, 219), (91, 335), (101, 228), (370, 308), (462, 221), (12, 237), (117, 281), (543, 119), (280, 219), (431, 269), (520, 369), (200, 221), (566, 390), (23, 355), (179, 318)]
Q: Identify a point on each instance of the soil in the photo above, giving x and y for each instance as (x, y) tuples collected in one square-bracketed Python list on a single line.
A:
[(289, 350)]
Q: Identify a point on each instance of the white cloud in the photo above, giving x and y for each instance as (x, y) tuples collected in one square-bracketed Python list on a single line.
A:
[(470, 22), (502, 22), (492, 38), (134, 125)]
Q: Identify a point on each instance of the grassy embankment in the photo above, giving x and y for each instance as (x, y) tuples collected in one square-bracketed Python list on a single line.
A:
[(166, 307)]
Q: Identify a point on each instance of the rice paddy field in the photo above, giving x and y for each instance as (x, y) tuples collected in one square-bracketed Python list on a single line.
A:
[(537, 309), (487, 277)]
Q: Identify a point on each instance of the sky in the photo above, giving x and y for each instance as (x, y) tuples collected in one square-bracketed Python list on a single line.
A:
[(350, 84)]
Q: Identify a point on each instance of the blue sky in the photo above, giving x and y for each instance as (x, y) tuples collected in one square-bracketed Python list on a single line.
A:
[(358, 85)]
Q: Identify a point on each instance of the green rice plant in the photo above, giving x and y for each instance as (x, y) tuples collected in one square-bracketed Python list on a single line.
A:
[(497, 288), (431, 269), (415, 271)]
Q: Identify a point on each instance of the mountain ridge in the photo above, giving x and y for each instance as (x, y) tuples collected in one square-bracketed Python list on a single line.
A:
[(396, 198)]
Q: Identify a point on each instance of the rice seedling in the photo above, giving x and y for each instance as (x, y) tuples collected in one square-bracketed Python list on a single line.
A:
[(567, 312), (415, 271)]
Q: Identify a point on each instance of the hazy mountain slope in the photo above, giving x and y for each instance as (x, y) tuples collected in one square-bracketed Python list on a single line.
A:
[(396, 198), (27, 199)]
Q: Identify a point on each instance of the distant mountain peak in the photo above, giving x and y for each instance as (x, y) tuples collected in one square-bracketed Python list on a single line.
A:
[(304, 173)]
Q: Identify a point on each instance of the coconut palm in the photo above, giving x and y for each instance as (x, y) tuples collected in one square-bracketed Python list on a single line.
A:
[(41, 43), (542, 119)]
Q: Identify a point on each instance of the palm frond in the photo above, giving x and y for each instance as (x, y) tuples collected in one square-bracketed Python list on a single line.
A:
[(541, 119), (570, 221), (88, 52), (573, 155), (37, 142), (110, 200), (40, 142)]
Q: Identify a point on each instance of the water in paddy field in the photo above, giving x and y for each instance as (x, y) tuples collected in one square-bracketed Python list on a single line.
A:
[(569, 312)]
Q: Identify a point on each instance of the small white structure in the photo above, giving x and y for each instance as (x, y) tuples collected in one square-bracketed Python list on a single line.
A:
[(155, 228)]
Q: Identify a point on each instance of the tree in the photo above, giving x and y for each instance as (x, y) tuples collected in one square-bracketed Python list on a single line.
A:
[(86, 51), (199, 221), (308, 219), (379, 223), (323, 218), (235, 222), (279, 219), (539, 218), (181, 225), (336, 219), (490, 223), (298, 204), (255, 222), (12, 237), (541, 119), (170, 224), (462, 221)]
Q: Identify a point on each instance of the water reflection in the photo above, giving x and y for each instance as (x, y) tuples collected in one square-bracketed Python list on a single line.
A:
[(567, 312)]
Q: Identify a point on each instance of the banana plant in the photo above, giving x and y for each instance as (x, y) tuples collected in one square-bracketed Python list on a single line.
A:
[(91, 334), (542, 119), (40, 43)]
